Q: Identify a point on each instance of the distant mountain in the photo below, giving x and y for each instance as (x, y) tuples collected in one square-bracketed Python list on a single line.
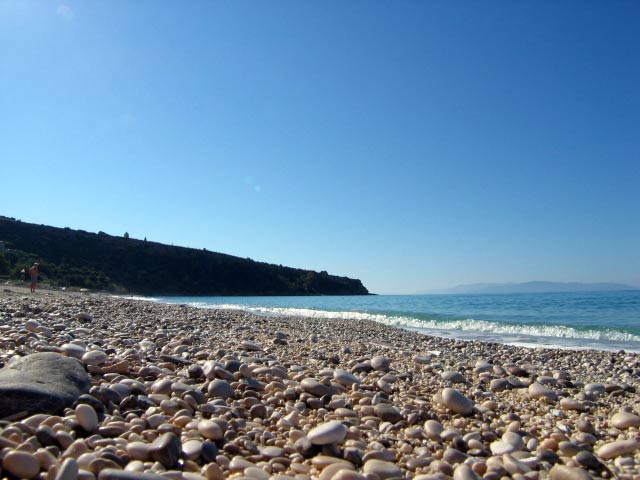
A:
[(538, 287), (99, 261)]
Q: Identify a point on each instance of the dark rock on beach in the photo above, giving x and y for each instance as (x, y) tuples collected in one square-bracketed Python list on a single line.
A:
[(45, 382)]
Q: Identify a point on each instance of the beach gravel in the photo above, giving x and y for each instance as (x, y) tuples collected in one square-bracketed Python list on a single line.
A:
[(134, 389)]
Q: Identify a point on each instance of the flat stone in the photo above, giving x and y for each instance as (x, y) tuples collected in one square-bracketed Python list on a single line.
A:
[(624, 420), (327, 433), (455, 401), (115, 474), (45, 382), (572, 404), (382, 469), (563, 472), (345, 378), (617, 448), (314, 387), (500, 447)]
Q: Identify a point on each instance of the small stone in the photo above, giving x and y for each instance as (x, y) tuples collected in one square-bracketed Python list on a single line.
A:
[(115, 474), (572, 404), (499, 385), (94, 357), (617, 448), (332, 432), (314, 387), (624, 420), (166, 449), (387, 413), (68, 470), (345, 378), (540, 392), (380, 363), (464, 472), (210, 429), (220, 389), (563, 472), (21, 464), (433, 429), (501, 447), (452, 376), (382, 469), (455, 401), (87, 417)]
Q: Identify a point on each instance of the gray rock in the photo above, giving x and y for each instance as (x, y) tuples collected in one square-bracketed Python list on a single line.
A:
[(380, 363), (220, 389), (45, 382), (345, 378), (387, 413), (314, 387), (455, 401), (327, 433), (499, 385), (452, 376), (166, 449)]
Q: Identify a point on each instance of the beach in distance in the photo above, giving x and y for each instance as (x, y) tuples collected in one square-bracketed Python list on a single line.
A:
[(590, 320), (178, 392)]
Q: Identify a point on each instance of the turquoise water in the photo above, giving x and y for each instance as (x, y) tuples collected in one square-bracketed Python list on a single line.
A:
[(598, 320)]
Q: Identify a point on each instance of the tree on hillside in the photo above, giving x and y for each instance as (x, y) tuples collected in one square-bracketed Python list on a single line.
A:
[(126, 234)]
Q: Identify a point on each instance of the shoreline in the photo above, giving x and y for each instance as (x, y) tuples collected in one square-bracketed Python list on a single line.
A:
[(533, 410)]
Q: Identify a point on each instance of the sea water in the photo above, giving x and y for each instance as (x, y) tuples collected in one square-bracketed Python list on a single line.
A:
[(593, 320)]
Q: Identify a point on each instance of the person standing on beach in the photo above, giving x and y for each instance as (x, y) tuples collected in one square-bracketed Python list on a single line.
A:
[(33, 271)]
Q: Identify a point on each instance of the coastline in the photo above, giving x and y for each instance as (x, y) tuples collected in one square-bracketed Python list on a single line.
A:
[(386, 386)]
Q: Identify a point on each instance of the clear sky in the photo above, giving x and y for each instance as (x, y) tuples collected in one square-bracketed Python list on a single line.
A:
[(414, 145)]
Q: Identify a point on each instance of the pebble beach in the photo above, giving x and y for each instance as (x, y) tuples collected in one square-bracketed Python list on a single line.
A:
[(177, 392)]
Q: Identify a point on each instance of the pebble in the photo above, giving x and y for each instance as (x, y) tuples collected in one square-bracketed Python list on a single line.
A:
[(314, 387), (455, 401), (87, 417), (382, 469), (21, 464), (380, 363), (539, 391), (333, 432), (68, 470), (624, 420), (563, 472), (617, 448)]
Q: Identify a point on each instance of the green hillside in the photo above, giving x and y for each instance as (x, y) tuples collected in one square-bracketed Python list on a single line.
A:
[(75, 258)]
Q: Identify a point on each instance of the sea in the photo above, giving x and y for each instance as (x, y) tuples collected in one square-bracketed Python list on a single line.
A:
[(580, 320)]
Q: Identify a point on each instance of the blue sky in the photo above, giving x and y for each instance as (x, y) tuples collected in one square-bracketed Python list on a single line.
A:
[(413, 145)]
